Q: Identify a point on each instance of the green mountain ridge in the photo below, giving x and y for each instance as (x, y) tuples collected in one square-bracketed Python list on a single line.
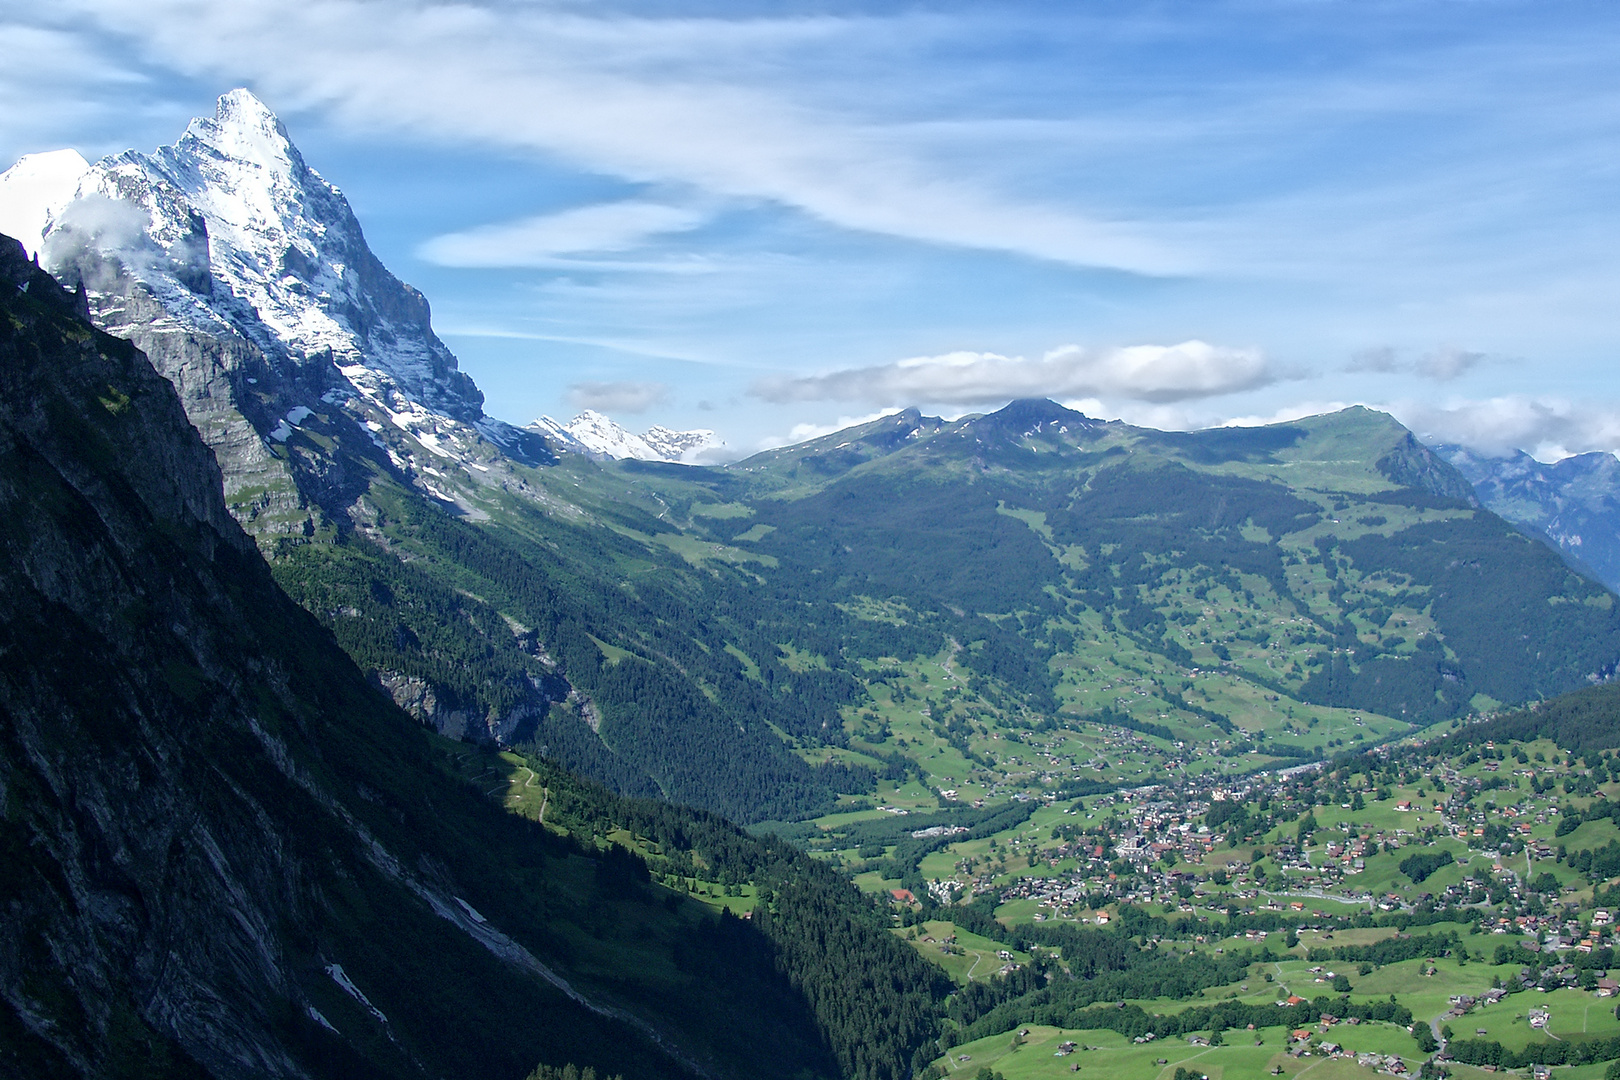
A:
[(1265, 593), (989, 542)]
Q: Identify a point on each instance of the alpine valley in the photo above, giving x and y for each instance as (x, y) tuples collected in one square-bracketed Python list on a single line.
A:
[(346, 730)]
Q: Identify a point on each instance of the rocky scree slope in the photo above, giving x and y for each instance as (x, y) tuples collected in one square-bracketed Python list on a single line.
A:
[(222, 853)]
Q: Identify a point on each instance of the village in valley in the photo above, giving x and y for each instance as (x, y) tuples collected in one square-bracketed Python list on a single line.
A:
[(1422, 908)]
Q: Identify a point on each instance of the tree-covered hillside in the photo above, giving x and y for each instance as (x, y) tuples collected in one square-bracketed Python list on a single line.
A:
[(741, 638)]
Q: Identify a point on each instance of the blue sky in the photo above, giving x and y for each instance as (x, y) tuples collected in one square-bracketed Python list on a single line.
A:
[(772, 219)]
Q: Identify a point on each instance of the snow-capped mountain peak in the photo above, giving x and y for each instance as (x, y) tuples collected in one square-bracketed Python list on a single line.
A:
[(598, 434), (674, 445), (245, 131), (229, 228), (246, 277)]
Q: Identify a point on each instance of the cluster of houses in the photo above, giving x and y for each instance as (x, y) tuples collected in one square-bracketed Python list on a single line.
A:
[(1305, 1042), (1463, 1004), (1160, 834)]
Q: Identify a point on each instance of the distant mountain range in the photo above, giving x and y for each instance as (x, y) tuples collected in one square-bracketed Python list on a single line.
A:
[(1574, 502)]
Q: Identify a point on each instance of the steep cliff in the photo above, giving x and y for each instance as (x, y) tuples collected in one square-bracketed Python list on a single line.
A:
[(222, 852), (246, 278), (311, 371)]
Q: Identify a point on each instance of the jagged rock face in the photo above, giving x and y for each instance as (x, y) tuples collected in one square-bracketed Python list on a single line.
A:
[(108, 676), (233, 216), (420, 698)]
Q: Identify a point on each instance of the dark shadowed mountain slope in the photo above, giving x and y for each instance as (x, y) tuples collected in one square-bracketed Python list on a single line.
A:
[(223, 853)]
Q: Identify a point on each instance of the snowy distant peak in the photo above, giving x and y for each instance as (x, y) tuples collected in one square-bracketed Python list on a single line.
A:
[(557, 432), (676, 445), (601, 435), (37, 189), (597, 434)]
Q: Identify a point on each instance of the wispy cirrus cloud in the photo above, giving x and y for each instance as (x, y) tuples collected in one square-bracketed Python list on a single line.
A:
[(683, 101), (546, 239), (1154, 373)]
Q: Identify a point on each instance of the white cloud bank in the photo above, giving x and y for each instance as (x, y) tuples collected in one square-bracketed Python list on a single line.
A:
[(1155, 373), (1547, 428)]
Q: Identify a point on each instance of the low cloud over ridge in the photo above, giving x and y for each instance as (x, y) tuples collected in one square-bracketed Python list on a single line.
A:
[(1158, 373), (1544, 427), (1441, 365)]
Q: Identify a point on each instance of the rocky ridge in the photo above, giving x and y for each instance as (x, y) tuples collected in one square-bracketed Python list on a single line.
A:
[(179, 851)]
